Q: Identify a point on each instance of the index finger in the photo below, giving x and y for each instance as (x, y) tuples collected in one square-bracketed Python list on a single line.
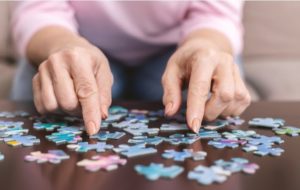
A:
[(198, 90), (87, 93)]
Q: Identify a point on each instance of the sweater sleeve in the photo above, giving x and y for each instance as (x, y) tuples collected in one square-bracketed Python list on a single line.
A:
[(28, 17), (224, 16)]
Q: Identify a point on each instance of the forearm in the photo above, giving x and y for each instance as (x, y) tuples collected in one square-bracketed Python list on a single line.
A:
[(49, 40), (210, 38)]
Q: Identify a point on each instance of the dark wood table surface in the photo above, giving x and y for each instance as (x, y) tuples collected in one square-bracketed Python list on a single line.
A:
[(275, 172)]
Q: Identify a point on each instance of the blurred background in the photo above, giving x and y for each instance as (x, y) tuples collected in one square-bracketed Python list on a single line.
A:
[(271, 52)]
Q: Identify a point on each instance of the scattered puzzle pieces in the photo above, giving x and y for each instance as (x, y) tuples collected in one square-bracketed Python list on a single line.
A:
[(267, 122), (18, 140), (261, 139), (288, 130), (222, 143), (263, 150), (238, 165), (208, 134), (107, 163), (154, 171), (177, 139), (71, 129), (135, 150), (53, 156), (208, 175), (182, 155), (146, 140), (105, 135), (239, 134), (85, 146), (64, 137), (215, 125)]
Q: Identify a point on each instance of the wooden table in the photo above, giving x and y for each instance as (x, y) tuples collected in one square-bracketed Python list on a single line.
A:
[(275, 172)]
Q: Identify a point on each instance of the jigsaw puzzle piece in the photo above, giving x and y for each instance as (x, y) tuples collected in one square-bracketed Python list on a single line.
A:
[(135, 150), (53, 156), (208, 134), (117, 110), (138, 130), (288, 130), (239, 134), (236, 121), (155, 171), (9, 131), (107, 163), (266, 122), (170, 127), (1, 156), (64, 137), (48, 126), (220, 143), (263, 150), (237, 165), (106, 135), (177, 155), (76, 130), (261, 139), (146, 140), (177, 139), (215, 125), (18, 140), (85, 147), (208, 175)]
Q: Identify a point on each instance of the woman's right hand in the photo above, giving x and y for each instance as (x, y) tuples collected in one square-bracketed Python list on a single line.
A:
[(75, 79)]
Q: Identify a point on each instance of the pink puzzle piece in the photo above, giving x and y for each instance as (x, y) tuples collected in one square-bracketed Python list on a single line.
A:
[(107, 163)]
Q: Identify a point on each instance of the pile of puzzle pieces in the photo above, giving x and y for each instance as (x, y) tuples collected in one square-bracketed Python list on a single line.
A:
[(144, 140)]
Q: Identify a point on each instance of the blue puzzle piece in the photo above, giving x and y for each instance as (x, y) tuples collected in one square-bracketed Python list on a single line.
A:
[(182, 155), (169, 127), (288, 130), (267, 122), (71, 129), (105, 135), (238, 165), (85, 146), (222, 143), (146, 140), (117, 110), (138, 130), (25, 140), (263, 150), (215, 125), (208, 134), (63, 137), (9, 131), (135, 150), (177, 139), (48, 126), (239, 134), (155, 171), (261, 139), (236, 121), (1, 156), (208, 175)]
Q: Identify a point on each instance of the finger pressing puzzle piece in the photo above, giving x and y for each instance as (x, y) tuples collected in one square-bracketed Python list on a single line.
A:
[(146, 140), (107, 163), (288, 130), (135, 150), (208, 175), (238, 165), (53, 156), (18, 140), (177, 139), (215, 125), (105, 135), (155, 171), (85, 146), (267, 122)]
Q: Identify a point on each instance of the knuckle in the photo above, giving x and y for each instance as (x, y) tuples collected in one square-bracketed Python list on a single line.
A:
[(226, 96), (240, 95), (209, 116), (85, 90), (50, 106), (69, 105)]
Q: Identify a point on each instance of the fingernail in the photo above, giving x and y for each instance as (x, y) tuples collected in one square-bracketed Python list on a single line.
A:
[(168, 108), (196, 125), (92, 128)]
